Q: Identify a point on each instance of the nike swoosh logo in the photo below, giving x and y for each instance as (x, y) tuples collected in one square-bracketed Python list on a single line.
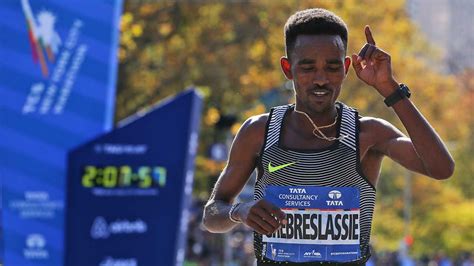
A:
[(272, 169)]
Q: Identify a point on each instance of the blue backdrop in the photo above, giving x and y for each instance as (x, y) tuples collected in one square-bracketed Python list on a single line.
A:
[(57, 85), (129, 190)]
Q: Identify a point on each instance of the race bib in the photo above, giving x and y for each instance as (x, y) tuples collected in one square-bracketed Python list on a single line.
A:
[(323, 224)]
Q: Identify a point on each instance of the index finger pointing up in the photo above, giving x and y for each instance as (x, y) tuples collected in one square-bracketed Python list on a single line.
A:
[(368, 35)]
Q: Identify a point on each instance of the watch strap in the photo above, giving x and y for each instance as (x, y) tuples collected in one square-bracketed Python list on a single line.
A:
[(400, 93)]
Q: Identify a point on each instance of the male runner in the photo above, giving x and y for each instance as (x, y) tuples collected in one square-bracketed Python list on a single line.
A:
[(318, 161)]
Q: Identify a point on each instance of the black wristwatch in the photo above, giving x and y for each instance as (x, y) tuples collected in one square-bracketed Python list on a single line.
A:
[(401, 93)]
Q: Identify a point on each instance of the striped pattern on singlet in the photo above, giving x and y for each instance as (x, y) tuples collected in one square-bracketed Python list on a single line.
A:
[(336, 166)]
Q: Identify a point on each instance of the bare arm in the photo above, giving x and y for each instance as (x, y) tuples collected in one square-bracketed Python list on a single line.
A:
[(424, 151), (241, 163), (259, 215)]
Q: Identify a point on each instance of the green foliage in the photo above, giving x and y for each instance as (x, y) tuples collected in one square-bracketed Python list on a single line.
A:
[(444, 219), (231, 52)]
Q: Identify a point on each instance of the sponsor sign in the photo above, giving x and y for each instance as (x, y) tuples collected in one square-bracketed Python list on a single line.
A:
[(35, 247), (100, 229), (109, 261), (57, 85), (129, 189), (323, 224)]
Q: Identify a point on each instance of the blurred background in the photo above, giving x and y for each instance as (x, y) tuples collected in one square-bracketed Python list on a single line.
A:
[(230, 50)]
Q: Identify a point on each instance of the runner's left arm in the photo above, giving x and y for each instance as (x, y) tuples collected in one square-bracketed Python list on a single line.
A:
[(423, 151)]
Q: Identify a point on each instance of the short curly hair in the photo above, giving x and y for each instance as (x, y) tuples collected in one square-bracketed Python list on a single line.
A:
[(313, 21)]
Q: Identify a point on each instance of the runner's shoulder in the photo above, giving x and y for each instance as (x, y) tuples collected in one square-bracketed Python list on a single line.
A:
[(254, 126), (251, 135), (373, 125), (377, 131)]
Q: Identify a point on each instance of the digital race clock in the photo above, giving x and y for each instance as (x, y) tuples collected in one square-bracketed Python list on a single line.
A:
[(123, 176)]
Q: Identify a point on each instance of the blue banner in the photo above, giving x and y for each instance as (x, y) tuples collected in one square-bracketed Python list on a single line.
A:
[(57, 88), (129, 190), (323, 224)]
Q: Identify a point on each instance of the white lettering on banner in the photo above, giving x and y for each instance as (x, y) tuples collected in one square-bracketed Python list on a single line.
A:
[(100, 228), (297, 197), (61, 66), (37, 195), (297, 204), (334, 203), (342, 253), (297, 190), (127, 227), (318, 227), (33, 98), (36, 204), (48, 99), (44, 96), (109, 261), (74, 34), (121, 148), (141, 192), (70, 79)]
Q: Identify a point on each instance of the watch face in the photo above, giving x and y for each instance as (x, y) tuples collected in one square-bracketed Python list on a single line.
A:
[(405, 90)]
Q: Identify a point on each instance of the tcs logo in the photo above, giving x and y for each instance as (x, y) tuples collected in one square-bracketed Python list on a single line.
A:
[(334, 195)]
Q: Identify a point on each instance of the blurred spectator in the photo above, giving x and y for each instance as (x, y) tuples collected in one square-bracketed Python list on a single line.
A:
[(467, 260)]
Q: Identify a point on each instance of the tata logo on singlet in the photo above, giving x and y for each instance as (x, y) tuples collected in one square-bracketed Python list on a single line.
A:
[(297, 190), (334, 195)]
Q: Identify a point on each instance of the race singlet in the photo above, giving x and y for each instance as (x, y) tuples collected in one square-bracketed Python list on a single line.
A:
[(323, 224)]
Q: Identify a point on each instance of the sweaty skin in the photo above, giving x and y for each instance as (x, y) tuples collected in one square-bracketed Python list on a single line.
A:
[(317, 66)]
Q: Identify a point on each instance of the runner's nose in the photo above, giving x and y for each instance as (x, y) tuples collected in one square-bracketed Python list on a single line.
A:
[(320, 78)]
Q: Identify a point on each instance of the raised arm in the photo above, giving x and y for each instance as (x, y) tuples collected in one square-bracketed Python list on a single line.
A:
[(423, 151)]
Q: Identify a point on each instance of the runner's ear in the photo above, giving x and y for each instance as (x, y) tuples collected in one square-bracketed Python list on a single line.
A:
[(347, 64), (286, 67)]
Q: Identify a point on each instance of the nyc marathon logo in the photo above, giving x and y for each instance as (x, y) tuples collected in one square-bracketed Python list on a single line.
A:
[(312, 254), (44, 39), (58, 59)]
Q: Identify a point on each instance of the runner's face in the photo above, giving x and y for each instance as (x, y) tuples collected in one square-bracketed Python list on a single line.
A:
[(318, 67)]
